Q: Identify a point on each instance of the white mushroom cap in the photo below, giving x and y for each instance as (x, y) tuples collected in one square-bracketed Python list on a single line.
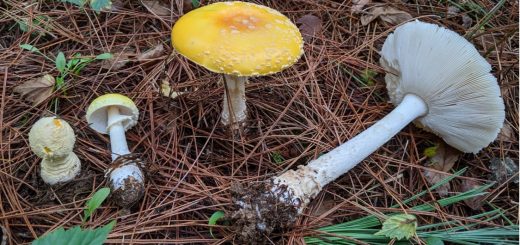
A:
[(61, 170), (97, 116), (51, 138), (448, 73)]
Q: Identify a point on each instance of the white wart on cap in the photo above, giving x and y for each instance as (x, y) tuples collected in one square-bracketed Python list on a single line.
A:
[(453, 79)]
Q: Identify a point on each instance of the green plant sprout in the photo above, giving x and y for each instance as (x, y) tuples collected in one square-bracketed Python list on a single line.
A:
[(77, 235), (38, 21), (371, 230), (277, 157), (72, 66), (216, 216), (96, 5)]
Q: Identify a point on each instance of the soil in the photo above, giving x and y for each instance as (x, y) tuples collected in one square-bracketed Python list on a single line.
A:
[(258, 211)]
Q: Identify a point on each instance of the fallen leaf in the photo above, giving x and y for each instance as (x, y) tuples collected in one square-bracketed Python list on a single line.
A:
[(467, 22), (453, 11), (506, 133), (358, 5), (98, 5), (166, 90), (188, 5), (442, 157), (36, 90), (387, 14), (399, 226), (117, 61), (151, 53), (502, 170), (474, 203), (157, 8), (309, 26)]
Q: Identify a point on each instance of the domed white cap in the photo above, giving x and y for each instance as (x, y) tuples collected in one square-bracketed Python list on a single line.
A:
[(51, 138), (97, 112), (448, 73)]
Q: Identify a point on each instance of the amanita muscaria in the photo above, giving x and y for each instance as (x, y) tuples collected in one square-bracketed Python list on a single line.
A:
[(436, 78), (113, 114), (239, 40), (53, 139)]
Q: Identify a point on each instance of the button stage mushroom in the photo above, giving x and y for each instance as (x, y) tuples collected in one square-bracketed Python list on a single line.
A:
[(113, 114), (239, 40), (435, 77), (53, 140)]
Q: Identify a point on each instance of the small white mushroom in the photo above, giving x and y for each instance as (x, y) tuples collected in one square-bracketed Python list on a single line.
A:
[(53, 140), (113, 114), (436, 78)]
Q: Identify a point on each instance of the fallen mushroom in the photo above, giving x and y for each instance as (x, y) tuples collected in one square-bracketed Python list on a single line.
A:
[(239, 40), (53, 139), (435, 77), (113, 114)]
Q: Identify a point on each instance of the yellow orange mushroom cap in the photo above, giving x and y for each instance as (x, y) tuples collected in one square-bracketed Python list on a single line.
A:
[(238, 38)]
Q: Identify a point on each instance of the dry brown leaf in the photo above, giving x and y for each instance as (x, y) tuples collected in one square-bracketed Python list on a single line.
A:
[(358, 5), (157, 8), (187, 6), (310, 26), (474, 203), (467, 22), (387, 14), (117, 62), (506, 133), (502, 170), (166, 90), (36, 90), (452, 11), (151, 53), (442, 160)]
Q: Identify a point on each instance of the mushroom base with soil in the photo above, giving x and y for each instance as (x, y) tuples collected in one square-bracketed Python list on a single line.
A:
[(126, 179), (261, 208)]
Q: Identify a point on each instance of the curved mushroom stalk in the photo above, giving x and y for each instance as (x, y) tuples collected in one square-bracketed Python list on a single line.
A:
[(284, 197), (234, 110), (113, 114), (438, 80)]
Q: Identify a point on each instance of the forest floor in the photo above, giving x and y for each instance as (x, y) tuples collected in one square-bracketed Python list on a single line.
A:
[(335, 91)]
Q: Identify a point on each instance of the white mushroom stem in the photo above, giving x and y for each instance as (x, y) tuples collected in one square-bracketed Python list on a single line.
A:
[(234, 108), (118, 144), (307, 181)]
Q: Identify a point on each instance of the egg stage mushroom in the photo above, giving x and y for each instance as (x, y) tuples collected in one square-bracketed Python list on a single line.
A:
[(113, 114), (53, 139), (435, 77), (239, 40)]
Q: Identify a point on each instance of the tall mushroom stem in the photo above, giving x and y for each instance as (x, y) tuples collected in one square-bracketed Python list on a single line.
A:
[(277, 202), (234, 111), (306, 182), (118, 144)]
